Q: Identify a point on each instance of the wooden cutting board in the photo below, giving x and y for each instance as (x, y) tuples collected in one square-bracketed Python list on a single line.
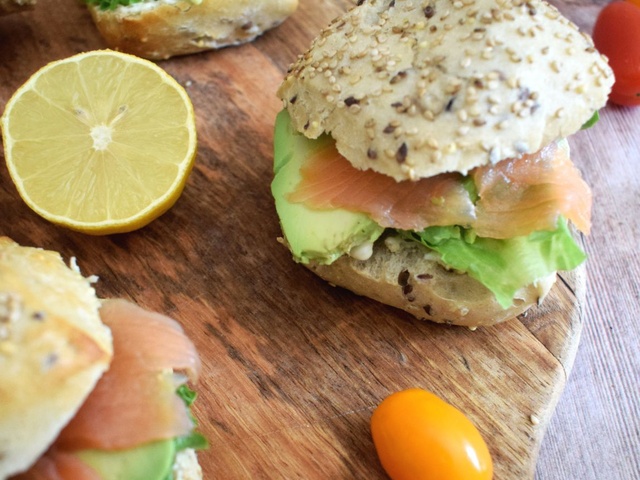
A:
[(293, 367)]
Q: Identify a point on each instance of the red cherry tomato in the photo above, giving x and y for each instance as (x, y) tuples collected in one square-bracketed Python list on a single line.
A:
[(616, 34), (418, 436)]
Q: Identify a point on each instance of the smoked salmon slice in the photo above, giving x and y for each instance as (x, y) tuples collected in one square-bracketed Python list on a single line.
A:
[(330, 181), (512, 198), (520, 196), (135, 401), (58, 465)]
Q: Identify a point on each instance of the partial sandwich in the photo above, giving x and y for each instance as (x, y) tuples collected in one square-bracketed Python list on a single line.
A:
[(421, 155), (159, 29), (86, 392)]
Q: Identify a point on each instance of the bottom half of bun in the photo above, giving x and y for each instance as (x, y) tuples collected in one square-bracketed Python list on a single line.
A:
[(409, 276), (186, 466)]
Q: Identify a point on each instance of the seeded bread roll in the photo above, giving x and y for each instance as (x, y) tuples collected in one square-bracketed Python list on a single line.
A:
[(412, 89), (415, 89), (409, 276), (53, 350), (164, 28)]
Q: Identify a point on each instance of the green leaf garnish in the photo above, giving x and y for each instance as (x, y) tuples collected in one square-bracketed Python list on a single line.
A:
[(111, 4), (194, 440), (187, 395), (592, 121)]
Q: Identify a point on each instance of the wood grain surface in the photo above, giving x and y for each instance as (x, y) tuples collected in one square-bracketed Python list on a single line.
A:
[(293, 368)]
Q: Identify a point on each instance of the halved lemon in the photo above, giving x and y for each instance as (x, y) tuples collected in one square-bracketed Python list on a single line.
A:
[(101, 142)]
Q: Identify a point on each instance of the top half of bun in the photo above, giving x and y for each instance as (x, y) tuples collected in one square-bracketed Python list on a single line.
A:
[(53, 350), (415, 88)]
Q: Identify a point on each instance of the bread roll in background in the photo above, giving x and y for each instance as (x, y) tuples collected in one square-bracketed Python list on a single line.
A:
[(53, 350), (161, 29)]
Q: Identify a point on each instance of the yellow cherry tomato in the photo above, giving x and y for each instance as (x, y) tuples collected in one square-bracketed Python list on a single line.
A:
[(419, 436)]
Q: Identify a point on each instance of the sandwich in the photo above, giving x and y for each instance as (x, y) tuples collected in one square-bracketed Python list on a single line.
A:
[(421, 160), (86, 392), (159, 29)]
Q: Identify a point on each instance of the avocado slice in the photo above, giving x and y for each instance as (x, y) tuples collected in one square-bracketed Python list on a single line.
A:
[(152, 461), (321, 236)]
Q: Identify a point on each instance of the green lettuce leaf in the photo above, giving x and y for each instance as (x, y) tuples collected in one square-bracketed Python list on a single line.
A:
[(111, 4), (194, 439), (592, 121), (187, 395), (503, 266)]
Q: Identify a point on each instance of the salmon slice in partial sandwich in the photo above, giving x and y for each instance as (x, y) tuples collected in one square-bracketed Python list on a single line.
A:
[(421, 158), (89, 389), (136, 397)]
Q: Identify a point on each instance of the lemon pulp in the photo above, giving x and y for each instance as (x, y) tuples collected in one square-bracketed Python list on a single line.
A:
[(101, 142)]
